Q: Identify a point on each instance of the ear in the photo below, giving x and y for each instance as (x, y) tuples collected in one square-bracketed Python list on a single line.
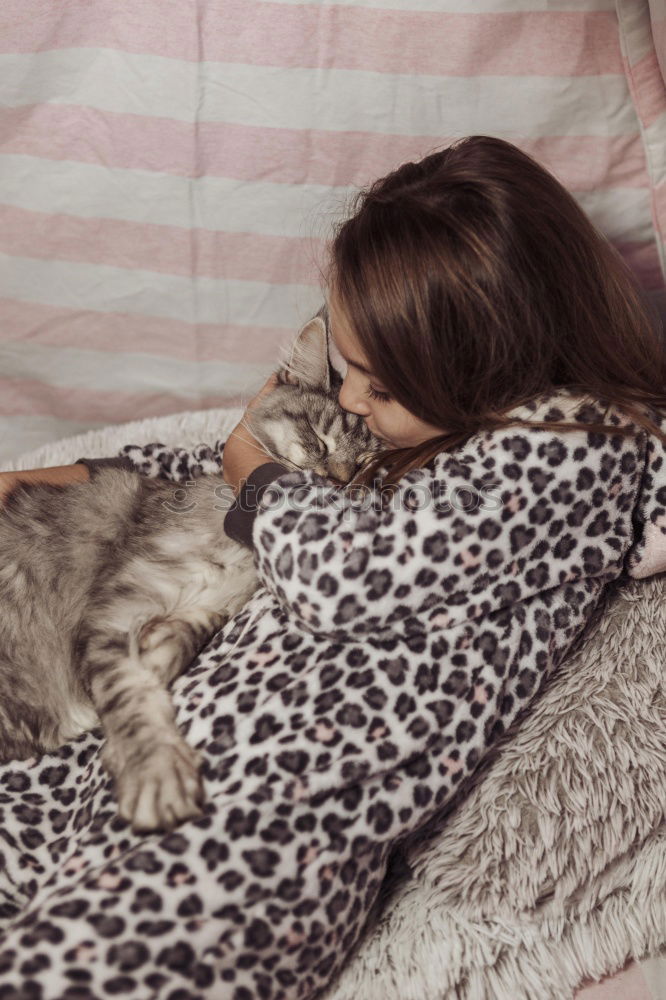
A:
[(308, 359)]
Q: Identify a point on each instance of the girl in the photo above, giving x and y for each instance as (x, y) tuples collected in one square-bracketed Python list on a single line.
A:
[(499, 347)]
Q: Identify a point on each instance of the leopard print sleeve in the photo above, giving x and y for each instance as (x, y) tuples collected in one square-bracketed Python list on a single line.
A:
[(648, 555), (505, 520), (156, 460)]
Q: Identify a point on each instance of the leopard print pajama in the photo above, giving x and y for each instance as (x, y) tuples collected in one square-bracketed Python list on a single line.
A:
[(384, 653)]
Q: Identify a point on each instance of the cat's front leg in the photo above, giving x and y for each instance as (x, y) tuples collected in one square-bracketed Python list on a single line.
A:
[(156, 772)]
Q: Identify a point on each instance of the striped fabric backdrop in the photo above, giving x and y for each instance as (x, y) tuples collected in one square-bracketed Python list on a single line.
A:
[(170, 172)]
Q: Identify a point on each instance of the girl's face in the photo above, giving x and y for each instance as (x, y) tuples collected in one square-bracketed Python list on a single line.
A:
[(364, 395)]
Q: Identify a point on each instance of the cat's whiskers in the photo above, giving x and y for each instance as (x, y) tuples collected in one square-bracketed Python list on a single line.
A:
[(267, 449), (263, 448), (249, 441), (255, 434)]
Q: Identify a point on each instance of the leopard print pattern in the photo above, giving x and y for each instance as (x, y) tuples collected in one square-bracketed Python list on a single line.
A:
[(347, 703)]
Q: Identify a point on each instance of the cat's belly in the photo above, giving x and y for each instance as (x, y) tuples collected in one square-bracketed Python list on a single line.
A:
[(226, 589), (198, 584), (208, 576)]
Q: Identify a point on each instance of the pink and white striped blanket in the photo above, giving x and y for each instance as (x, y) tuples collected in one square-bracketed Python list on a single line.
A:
[(169, 173)]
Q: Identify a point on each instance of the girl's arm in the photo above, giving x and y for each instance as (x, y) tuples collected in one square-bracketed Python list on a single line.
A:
[(181, 464), (151, 460), (480, 531), (58, 475)]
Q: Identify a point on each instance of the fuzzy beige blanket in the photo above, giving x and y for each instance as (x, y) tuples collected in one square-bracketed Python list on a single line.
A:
[(549, 867)]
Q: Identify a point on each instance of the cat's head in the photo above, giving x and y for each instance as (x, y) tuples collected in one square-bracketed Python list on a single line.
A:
[(300, 422)]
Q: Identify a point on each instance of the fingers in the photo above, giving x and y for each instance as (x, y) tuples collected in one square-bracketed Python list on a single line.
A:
[(267, 387)]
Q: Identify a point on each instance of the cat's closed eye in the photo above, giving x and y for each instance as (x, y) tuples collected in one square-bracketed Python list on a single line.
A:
[(323, 445)]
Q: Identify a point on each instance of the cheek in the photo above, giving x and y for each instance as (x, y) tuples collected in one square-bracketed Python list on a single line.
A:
[(386, 422), (400, 426), (393, 416)]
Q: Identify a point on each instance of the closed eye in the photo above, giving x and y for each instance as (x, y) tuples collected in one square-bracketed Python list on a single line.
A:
[(373, 393), (323, 444)]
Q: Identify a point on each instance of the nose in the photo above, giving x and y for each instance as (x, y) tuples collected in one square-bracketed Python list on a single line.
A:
[(351, 398), (340, 470), (334, 468)]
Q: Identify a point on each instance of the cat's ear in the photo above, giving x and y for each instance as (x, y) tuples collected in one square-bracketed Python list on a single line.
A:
[(308, 358)]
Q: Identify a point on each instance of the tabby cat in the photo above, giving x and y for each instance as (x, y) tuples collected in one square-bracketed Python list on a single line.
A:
[(109, 588)]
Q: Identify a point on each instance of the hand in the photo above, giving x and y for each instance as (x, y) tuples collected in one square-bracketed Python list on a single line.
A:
[(242, 452)]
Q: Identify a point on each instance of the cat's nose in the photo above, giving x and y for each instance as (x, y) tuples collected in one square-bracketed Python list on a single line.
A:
[(342, 471)]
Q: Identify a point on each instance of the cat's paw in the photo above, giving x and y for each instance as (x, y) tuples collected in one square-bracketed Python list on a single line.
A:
[(163, 790)]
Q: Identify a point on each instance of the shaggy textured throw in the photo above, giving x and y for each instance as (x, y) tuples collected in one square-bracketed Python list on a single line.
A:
[(549, 867)]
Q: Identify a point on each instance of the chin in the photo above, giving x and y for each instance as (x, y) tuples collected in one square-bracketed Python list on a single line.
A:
[(384, 440)]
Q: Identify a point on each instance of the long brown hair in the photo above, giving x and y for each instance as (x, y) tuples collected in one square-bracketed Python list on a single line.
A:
[(474, 283)]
